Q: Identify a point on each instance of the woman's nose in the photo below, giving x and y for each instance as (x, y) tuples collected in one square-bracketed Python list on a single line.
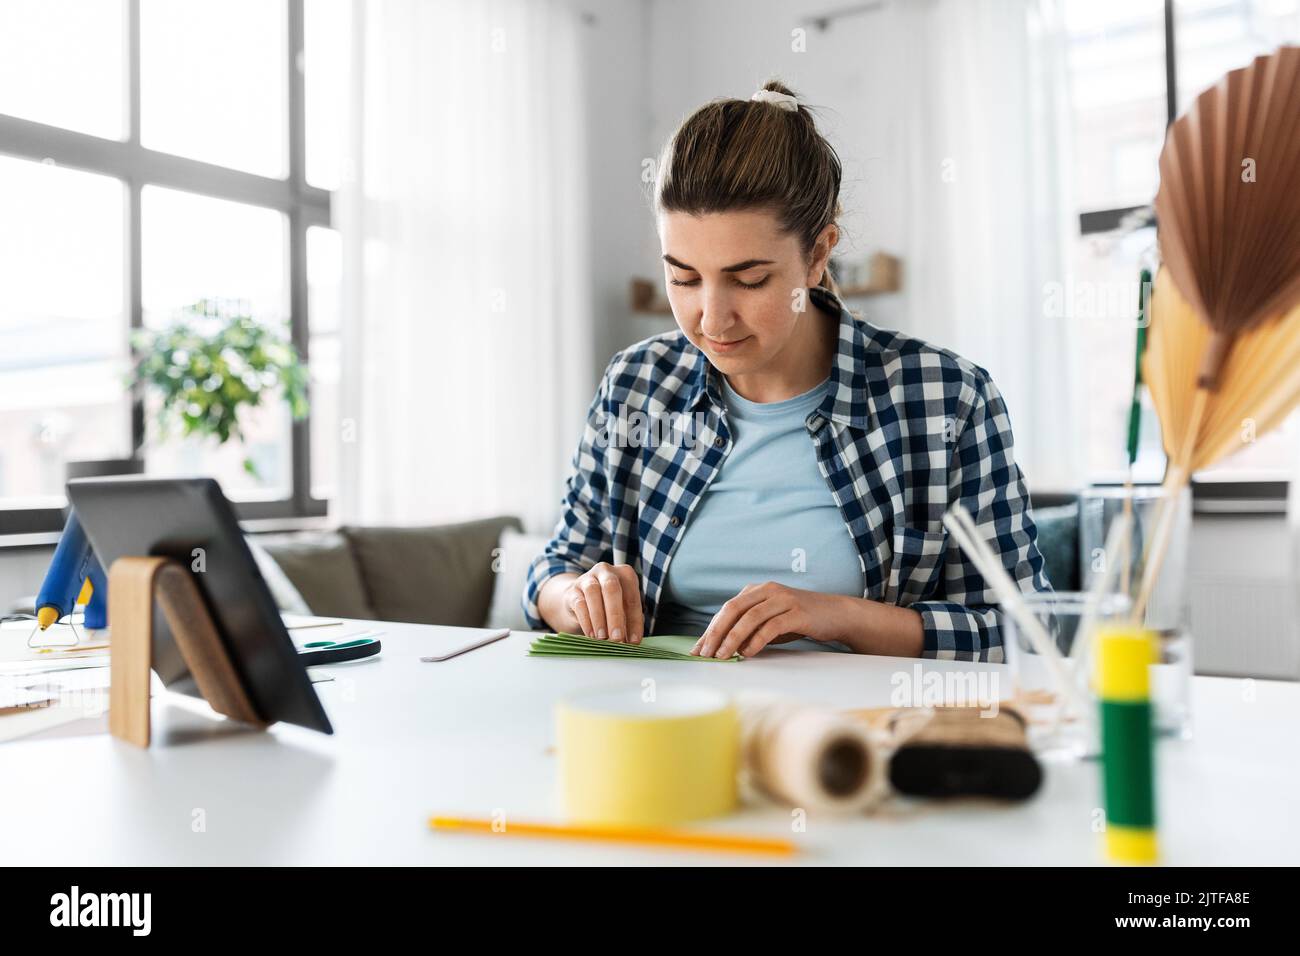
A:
[(717, 314)]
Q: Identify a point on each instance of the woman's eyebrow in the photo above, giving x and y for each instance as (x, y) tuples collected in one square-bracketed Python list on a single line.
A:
[(738, 267)]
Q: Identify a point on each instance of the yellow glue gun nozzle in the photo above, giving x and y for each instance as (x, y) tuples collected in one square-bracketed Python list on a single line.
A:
[(46, 616)]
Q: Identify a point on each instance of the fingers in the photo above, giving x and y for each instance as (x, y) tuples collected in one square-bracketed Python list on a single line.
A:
[(747, 626), (595, 601), (578, 604), (611, 596), (632, 611), (773, 632), (607, 603), (710, 642)]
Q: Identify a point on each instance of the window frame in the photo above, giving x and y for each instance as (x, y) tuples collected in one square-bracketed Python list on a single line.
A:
[(136, 166), (1098, 221), (1260, 496)]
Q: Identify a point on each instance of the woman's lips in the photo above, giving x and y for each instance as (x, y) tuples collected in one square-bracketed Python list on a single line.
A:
[(724, 347)]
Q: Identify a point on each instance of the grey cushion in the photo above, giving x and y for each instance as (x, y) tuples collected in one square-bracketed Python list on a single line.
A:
[(323, 569), (430, 575), (1058, 540), (517, 552)]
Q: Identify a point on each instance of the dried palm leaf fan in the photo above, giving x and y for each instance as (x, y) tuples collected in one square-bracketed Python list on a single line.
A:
[(1259, 379), (1228, 210)]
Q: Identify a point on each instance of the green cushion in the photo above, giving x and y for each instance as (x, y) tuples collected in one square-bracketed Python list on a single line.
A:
[(431, 575), (1058, 540)]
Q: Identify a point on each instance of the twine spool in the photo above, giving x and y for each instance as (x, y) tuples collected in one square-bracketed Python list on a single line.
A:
[(810, 757)]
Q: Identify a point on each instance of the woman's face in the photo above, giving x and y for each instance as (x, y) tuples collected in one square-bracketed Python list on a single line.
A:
[(736, 284)]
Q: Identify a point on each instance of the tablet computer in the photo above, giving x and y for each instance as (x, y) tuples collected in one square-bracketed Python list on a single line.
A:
[(189, 519)]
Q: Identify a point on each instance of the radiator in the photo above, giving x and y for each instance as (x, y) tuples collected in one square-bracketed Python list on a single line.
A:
[(1245, 627)]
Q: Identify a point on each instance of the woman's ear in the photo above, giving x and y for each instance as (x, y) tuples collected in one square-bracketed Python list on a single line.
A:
[(821, 253)]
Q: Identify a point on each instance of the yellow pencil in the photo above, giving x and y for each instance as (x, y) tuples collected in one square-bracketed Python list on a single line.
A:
[(647, 836)]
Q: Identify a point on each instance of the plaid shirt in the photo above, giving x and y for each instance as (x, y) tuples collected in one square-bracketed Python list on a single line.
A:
[(906, 429)]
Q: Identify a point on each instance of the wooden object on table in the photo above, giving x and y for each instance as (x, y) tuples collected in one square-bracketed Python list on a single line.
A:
[(134, 583)]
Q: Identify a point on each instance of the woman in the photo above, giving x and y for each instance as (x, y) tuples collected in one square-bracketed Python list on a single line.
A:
[(792, 465)]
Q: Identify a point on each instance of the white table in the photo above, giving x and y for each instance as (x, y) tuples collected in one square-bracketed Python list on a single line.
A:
[(474, 736)]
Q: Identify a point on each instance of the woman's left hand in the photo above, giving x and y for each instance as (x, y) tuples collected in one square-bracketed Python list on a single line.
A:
[(770, 613)]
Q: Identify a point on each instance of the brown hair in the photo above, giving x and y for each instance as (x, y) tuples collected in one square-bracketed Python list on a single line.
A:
[(745, 154)]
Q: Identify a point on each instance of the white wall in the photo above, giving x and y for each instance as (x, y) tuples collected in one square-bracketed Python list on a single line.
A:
[(621, 227)]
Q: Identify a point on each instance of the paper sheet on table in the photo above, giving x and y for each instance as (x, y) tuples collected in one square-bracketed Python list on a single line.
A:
[(296, 622), (54, 651), (14, 697), (67, 701), (659, 647), (80, 717)]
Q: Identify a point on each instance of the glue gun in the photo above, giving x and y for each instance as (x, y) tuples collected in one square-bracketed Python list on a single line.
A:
[(74, 576)]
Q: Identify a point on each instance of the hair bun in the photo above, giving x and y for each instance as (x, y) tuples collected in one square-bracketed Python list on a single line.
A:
[(783, 101)]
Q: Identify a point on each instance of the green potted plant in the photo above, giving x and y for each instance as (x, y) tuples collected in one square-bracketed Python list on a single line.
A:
[(211, 366)]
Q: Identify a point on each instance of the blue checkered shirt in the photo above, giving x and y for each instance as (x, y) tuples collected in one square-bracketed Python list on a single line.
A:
[(906, 429)]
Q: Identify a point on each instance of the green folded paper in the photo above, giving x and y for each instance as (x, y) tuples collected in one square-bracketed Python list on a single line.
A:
[(660, 647)]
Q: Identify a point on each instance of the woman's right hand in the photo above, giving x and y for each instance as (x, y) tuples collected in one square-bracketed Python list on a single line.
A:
[(606, 602)]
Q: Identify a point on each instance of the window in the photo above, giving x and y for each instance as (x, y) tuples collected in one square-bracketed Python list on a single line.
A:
[(1134, 65), (63, 344), (154, 153), (212, 82), (241, 248), (62, 63)]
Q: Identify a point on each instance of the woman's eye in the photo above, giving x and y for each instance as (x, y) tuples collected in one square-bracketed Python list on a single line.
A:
[(744, 285)]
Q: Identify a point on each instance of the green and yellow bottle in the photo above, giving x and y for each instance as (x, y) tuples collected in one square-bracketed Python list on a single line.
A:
[(1124, 660)]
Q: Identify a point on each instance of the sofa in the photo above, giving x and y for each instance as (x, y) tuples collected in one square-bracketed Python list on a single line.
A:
[(442, 574)]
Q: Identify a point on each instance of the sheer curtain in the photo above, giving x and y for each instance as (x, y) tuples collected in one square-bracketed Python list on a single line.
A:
[(989, 208), (466, 367)]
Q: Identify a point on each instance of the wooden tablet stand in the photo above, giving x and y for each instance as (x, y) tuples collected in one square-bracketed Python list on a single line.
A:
[(133, 584)]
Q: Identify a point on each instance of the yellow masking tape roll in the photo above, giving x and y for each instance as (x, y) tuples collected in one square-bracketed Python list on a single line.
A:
[(647, 756)]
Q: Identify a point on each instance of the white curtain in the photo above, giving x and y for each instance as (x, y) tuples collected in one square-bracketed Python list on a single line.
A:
[(988, 208), (467, 331)]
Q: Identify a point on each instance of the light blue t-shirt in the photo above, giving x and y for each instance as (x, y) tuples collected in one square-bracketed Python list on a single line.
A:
[(768, 515)]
